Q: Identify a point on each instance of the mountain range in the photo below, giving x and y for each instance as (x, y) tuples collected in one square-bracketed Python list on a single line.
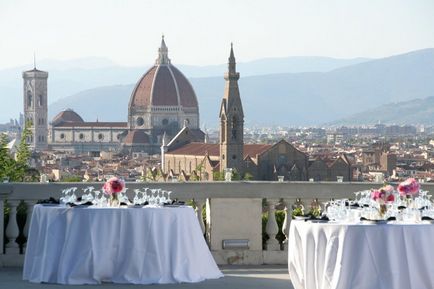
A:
[(400, 113), (285, 91)]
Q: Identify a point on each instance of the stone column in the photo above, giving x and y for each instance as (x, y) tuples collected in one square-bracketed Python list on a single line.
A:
[(12, 230), (271, 228), (286, 222)]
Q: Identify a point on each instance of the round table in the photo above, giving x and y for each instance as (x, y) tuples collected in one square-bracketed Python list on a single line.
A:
[(88, 245), (361, 256)]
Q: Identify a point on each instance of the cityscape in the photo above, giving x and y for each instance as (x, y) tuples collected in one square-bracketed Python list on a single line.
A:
[(163, 140), (210, 144)]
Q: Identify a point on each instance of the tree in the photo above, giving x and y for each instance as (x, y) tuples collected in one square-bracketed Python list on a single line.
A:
[(7, 163), (23, 155)]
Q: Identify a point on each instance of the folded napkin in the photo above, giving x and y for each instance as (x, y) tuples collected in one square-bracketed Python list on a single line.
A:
[(391, 219), (426, 218), (174, 203), (80, 205), (402, 207), (51, 200)]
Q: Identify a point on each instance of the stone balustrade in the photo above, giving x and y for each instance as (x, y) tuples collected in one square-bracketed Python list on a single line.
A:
[(234, 212)]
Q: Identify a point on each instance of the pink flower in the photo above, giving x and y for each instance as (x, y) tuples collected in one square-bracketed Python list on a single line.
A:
[(390, 198), (408, 187), (375, 195), (113, 186), (388, 189)]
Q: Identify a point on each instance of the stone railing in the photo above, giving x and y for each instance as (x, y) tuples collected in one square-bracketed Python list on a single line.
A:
[(233, 222)]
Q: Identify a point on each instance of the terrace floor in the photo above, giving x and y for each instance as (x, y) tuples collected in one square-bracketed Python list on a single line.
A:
[(251, 277)]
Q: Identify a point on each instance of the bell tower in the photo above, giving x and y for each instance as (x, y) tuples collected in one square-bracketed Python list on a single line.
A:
[(36, 107), (231, 121)]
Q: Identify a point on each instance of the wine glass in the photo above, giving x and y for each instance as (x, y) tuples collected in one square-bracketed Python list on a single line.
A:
[(169, 200)]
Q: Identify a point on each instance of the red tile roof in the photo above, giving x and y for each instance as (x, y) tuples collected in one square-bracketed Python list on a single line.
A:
[(161, 86), (200, 149)]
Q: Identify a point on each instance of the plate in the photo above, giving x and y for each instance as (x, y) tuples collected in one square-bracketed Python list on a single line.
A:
[(301, 217)]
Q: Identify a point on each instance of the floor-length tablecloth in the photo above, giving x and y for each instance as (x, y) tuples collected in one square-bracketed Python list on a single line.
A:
[(361, 256), (120, 245)]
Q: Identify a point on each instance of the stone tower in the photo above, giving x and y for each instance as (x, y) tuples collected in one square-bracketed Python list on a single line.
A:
[(231, 121), (36, 107)]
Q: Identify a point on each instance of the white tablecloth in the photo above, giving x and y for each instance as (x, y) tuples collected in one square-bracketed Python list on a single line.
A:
[(120, 245), (359, 256)]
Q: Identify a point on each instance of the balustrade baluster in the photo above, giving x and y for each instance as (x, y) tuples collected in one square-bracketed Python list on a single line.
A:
[(271, 228), (286, 222), (30, 204), (12, 230)]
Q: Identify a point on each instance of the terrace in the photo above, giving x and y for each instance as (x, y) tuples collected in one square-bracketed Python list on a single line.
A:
[(261, 263)]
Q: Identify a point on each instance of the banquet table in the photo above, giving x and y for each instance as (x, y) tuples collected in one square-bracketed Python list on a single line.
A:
[(361, 256), (90, 245)]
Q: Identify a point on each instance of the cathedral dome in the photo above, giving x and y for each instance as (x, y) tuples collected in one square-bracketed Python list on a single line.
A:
[(163, 85), (67, 116)]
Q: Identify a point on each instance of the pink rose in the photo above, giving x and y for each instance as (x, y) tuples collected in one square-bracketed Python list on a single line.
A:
[(113, 186), (408, 187), (390, 198)]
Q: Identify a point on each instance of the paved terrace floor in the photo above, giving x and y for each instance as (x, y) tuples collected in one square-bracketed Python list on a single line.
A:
[(249, 277)]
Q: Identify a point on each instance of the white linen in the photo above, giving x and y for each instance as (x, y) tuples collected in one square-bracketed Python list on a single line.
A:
[(361, 256), (120, 245)]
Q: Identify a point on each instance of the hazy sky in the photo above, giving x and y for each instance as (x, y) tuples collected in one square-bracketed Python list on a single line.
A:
[(199, 32)]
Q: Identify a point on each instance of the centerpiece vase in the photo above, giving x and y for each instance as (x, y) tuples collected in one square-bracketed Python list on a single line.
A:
[(382, 210), (114, 201)]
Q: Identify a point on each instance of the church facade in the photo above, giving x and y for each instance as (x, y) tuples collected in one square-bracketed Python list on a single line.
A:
[(162, 102), (187, 158)]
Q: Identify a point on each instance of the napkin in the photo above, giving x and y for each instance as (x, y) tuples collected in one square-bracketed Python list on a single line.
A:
[(51, 200), (426, 218)]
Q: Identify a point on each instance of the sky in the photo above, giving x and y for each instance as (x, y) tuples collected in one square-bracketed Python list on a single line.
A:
[(199, 32)]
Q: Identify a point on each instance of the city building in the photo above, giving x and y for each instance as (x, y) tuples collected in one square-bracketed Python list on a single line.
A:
[(162, 102)]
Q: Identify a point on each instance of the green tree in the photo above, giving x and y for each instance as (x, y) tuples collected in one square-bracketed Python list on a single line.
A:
[(23, 155), (7, 163), (248, 177), (72, 179)]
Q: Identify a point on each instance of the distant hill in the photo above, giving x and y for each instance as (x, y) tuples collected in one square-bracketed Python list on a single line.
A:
[(416, 111), (70, 77), (307, 98)]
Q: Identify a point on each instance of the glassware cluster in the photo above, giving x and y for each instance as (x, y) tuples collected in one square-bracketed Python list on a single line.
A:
[(146, 196), (402, 209)]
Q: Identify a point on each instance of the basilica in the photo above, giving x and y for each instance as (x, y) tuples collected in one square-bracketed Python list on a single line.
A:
[(161, 103)]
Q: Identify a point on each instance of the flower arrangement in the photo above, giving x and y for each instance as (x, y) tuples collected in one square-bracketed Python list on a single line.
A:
[(383, 195), (408, 188), (112, 187)]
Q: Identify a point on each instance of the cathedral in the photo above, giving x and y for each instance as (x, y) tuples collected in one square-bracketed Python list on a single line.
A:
[(185, 157), (161, 103)]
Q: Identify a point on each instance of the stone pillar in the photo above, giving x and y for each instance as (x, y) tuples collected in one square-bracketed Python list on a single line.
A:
[(271, 228), (235, 219), (12, 230), (286, 222)]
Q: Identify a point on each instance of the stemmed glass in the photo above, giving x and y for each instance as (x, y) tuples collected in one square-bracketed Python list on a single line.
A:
[(145, 197), (152, 198), (136, 200), (169, 200)]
